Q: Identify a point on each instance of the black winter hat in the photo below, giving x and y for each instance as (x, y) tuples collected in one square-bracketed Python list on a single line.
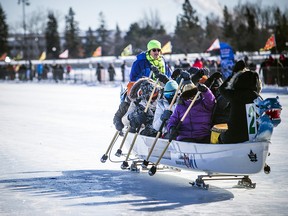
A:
[(239, 66), (245, 80)]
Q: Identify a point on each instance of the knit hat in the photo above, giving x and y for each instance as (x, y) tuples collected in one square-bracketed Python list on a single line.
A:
[(239, 66), (171, 85), (189, 90), (170, 89), (153, 44)]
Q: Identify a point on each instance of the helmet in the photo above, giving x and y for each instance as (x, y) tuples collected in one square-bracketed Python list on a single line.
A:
[(170, 89)]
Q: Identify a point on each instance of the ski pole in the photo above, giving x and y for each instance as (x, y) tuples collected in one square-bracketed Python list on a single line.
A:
[(105, 156), (125, 163), (146, 162), (153, 169), (119, 151)]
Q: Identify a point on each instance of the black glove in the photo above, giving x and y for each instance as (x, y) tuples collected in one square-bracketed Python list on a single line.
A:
[(176, 73), (202, 87), (119, 125), (216, 75), (173, 133), (155, 69), (205, 71), (162, 78), (185, 75), (136, 120), (197, 76), (166, 115), (193, 70)]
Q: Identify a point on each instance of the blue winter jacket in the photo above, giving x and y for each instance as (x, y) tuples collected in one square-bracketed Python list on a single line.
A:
[(197, 123), (141, 67)]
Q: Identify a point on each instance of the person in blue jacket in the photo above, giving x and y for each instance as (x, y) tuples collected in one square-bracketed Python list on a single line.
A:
[(150, 58)]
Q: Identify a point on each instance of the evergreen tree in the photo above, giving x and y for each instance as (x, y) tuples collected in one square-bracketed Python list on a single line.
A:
[(228, 30), (188, 32), (103, 36), (91, 43), (52, 37), (281, 30), (251, 30), (213, 29), (135, 36), (3, 32), (72, 41), (118, 42)]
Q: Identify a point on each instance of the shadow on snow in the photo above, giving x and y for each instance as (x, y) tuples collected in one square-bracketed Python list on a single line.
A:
[(157, 193)]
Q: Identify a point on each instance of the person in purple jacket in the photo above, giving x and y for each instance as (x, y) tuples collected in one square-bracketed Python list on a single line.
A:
[(197, 124)]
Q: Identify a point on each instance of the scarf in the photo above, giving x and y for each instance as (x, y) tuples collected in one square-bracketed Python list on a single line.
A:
[(159, 63)]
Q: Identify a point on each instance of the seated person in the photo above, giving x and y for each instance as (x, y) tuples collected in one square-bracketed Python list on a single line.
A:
[(197, 124), (123, 107), (135, 116), (241, 88), (162, 112)]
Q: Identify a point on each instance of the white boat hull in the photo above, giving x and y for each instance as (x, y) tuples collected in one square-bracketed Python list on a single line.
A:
[(227, 159)]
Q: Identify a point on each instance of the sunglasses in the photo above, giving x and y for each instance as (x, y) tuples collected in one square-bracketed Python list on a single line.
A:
[(154, 50)]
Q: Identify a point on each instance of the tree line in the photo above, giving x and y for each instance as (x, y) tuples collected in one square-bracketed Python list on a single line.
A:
[(246, 28)]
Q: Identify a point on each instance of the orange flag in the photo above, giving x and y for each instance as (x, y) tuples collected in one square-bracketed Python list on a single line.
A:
[(271, 42), (97, 52)]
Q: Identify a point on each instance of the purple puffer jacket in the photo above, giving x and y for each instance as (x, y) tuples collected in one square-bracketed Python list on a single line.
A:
[(197, 123)]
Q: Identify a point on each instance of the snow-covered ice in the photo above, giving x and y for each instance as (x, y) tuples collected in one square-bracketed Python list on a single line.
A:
[(52, 137)]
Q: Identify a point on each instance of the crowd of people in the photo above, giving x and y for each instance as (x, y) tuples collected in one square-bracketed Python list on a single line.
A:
[(204, 99), (27, 72), (275, 71)]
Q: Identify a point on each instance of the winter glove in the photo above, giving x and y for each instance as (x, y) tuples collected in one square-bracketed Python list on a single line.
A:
[(185, 75), (193, 70), (176, 73), (119, 125), (162, 78), (202, 87), (173, 133), (216, 75), (166, 115), (137, 120), (205, 71), (197, 76), (154, 69)]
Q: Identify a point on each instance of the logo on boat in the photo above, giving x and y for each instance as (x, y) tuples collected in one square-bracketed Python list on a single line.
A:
[(252, 156), (188, 160)]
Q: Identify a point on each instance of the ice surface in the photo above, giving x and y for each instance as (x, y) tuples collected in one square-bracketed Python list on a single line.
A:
[(52, 137)]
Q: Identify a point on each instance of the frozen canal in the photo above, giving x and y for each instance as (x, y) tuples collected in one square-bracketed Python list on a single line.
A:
[(52, 137)]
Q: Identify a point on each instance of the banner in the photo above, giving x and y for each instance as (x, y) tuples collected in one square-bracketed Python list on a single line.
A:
[(227, 59), (127, 51), (43, 56), (65, 54), (226, 51), (97, 52), (167, 48), (215, 45), (271, 42)]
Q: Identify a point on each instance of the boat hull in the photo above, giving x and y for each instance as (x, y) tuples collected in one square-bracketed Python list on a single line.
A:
[(227, 159)]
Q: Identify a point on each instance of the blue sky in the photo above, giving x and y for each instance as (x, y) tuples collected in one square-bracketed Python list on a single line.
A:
[(122, 12)]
